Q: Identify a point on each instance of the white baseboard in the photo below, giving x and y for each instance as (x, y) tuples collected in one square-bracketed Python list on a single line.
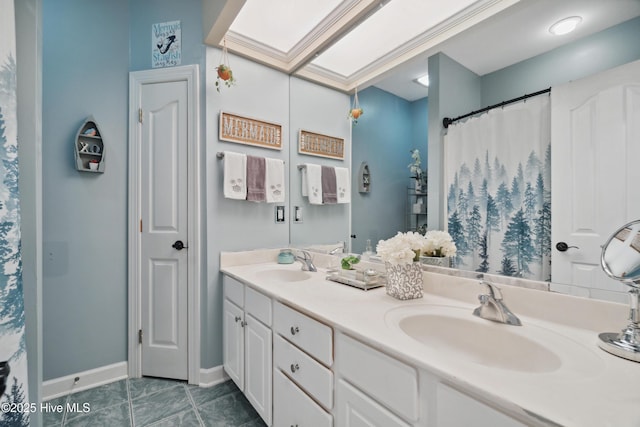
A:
[(88, 379), (212, 376)]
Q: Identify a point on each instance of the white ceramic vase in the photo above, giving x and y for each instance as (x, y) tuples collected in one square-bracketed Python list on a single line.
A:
[(404, 281)]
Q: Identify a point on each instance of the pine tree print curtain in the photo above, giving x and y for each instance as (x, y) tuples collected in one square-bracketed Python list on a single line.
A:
[(13, 354), (498, 181)]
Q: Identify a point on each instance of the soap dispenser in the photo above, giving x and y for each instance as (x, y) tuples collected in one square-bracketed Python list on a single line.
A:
[(367, 251)]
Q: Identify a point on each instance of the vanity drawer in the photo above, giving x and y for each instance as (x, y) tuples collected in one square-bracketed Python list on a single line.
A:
[(355, 409), (258, 305), (234, 290), (304, 371), (310, 335), (292, 407), (384, 378)]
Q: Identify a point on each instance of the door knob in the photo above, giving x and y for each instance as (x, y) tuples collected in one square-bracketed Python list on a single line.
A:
[(179, 245), (563, 247)]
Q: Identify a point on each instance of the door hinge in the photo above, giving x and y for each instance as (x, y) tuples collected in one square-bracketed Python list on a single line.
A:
[(141, 225), (140, 336), (140, 115)]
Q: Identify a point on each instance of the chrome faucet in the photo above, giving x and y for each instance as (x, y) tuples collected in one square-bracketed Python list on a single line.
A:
[(334, 251), (307, 262), (492, 308)]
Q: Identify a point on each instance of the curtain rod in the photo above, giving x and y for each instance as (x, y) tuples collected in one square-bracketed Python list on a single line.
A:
[(447, 121)]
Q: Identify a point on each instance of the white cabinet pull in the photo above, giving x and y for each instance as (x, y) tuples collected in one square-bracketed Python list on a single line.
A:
[(294, 367), (294, 330)]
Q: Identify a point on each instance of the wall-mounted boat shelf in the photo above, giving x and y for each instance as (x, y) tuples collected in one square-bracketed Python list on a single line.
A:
[(89, 147)]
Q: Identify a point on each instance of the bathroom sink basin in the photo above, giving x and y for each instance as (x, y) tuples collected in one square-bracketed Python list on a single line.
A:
[(453, 332), (484, 343), (283, 275)]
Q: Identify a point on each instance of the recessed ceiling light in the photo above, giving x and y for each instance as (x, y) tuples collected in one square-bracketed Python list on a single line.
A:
[(424, 80), (565, 26)]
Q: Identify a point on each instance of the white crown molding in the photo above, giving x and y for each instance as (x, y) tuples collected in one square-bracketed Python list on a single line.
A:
[(421, 44), (333, 26)]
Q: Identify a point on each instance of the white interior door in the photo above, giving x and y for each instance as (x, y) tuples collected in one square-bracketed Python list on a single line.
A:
[(164, 213), (595, 134)]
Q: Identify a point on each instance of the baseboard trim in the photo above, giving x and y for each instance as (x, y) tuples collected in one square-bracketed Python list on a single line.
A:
[(212, 376), (88, 379)]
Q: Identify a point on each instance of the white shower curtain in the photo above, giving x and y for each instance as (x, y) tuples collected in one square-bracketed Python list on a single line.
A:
[(498, 183), (13, 353)]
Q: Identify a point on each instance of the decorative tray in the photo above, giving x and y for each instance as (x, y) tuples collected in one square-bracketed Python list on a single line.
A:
[(369, 282)]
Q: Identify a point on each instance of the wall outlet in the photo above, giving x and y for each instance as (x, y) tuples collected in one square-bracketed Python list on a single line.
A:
[(280, 214), (297, 214)]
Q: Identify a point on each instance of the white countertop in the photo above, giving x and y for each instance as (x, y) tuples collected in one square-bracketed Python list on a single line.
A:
[(591, 388)]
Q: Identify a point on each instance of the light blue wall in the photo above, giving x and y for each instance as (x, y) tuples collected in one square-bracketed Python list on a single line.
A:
[(419, 111), (317, 109), (85, 72), (265, 94), (383, 139), (607, 49), (453, 90), (233, 225)]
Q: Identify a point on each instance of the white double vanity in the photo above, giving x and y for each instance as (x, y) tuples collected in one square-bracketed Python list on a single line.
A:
[(306, 351)]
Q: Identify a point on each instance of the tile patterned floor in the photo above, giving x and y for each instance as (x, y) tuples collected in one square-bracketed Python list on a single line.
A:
[(155, 402)]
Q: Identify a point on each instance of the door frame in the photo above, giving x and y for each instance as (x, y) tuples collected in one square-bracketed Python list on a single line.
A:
[(190, 74)]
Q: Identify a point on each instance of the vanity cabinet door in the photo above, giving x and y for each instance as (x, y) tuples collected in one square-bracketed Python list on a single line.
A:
[(357, 409), (258, 366), (233, 342)]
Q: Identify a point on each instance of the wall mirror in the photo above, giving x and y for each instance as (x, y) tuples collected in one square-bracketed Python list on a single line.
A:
[(557, 75)]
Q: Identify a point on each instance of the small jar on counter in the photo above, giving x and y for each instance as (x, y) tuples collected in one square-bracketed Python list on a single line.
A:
[(285, 257)]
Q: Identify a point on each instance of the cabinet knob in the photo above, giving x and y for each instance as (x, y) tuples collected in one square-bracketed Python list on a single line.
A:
[(294, 367), (243, 323), (294, 330), (238, 319)]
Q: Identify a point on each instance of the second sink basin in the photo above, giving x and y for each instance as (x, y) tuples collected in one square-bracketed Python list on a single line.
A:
[(456, 333), (284, 275), (489, 345)]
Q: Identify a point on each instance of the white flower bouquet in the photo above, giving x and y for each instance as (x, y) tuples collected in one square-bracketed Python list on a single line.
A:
[(403, 248), (439, 244)]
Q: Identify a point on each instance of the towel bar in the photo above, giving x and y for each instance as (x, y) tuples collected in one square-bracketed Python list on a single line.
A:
[(220, 155)]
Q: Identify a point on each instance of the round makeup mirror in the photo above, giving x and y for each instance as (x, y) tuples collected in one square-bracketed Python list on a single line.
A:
[(621, 261)]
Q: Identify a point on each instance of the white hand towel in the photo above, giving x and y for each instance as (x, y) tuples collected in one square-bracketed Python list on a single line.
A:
[(275, 181), (235, 175), (313, 183), (343, 185)]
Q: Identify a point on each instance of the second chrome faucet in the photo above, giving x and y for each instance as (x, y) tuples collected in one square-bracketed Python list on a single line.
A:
[(493, 308), (306, 260)]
